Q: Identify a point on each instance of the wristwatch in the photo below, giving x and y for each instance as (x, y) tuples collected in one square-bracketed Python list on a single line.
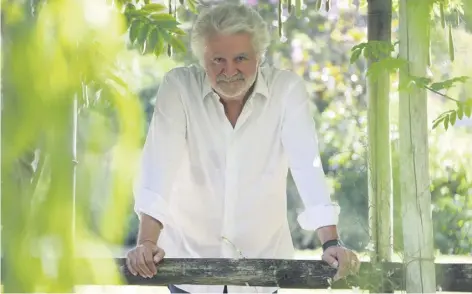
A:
[(330, 243)]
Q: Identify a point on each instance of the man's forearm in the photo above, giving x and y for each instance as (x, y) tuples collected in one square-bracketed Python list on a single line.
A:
[(327, 233), (149, 229)]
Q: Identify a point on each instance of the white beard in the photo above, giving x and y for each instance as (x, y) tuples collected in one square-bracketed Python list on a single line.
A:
[(233, 91)]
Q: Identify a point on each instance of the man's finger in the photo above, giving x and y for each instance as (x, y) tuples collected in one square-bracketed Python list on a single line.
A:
[(343, 264), (142, 267), (148, 259), (159, 255), (355, 264), (330, 259), (131, 269)]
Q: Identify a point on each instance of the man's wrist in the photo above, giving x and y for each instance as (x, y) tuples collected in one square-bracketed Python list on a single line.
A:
[(146, 241), (331, 243), (327, 233)]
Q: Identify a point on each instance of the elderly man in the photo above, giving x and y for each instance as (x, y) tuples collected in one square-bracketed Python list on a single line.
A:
[(214, 165)]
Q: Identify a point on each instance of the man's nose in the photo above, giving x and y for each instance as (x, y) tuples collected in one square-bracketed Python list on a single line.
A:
[(230, 69)]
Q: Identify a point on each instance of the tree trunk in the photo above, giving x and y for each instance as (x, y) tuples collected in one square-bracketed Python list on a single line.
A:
[(380, 170), (414, 150)]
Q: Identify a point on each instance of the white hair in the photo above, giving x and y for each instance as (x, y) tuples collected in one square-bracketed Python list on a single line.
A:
[(229, 18)]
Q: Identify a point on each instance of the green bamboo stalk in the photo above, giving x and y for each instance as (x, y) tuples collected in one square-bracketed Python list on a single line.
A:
[(414, 150), (380, 167)]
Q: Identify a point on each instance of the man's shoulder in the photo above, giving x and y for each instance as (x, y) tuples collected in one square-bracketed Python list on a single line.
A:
[(276, 77), (185, 74)]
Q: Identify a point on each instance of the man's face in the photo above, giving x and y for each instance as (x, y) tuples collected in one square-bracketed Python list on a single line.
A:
[(231, 64)]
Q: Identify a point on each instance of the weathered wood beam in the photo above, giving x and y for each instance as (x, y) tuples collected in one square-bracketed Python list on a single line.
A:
[(295, 274), (220, 271)]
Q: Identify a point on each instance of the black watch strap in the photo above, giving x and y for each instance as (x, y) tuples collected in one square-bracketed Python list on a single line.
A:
[(331, 243)]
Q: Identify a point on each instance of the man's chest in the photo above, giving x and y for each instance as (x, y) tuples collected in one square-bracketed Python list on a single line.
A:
[(253, 138)]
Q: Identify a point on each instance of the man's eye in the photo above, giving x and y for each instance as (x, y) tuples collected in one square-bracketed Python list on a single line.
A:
[(240, 58), (218, 60)]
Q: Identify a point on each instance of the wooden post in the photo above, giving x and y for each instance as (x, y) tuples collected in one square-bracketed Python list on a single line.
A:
[(380, 167), (414, 41)]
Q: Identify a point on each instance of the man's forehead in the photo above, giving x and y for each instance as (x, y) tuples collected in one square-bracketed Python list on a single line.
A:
[(229, 44), (228, 54)]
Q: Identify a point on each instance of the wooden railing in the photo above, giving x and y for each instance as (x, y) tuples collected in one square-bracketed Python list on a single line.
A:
[(301, 274)]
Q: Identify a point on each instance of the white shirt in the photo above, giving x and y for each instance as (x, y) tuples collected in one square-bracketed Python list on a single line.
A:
[(220, 191)]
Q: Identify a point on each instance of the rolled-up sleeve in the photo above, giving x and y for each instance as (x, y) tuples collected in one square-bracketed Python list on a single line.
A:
[(300, 143), (162, 153)]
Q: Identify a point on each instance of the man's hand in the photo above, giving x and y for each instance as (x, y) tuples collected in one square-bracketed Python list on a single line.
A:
[(143, 258), (343, 259)]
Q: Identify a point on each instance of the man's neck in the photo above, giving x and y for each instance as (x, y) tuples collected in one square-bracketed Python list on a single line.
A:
[(234, 107)]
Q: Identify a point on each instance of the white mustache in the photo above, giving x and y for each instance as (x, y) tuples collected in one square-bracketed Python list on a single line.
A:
[(223, 78)]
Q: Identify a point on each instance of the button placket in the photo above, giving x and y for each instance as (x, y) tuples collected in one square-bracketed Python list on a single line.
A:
[(246, 111), (231, 180)]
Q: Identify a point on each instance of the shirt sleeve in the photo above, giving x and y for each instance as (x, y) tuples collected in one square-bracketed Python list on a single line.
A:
[(162, 153), (300, 143)]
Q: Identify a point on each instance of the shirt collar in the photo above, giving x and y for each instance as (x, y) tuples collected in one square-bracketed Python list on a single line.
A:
[(260, 87)]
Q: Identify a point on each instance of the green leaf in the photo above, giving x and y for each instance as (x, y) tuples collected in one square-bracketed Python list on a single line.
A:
[(153, 7), (420, 82), (448, 83), (136, 13), (408, 83), (467, 110), (178, 31), (152, 40), (355, 55), (452, 118), (159, 47), (359, 46), (389, 64), (442, 119), (372, 49), (367, 52), (175, 42), (318, 5), (134, 30), (446, 122), (385, 48), (142, 36), (460, 111), (437, 122), (164, 20)]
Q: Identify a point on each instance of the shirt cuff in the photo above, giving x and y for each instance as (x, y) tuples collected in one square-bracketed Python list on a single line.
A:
[(152, 204), (319, 216)]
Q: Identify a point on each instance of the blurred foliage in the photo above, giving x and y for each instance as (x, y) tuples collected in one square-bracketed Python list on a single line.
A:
[(60, 66)]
